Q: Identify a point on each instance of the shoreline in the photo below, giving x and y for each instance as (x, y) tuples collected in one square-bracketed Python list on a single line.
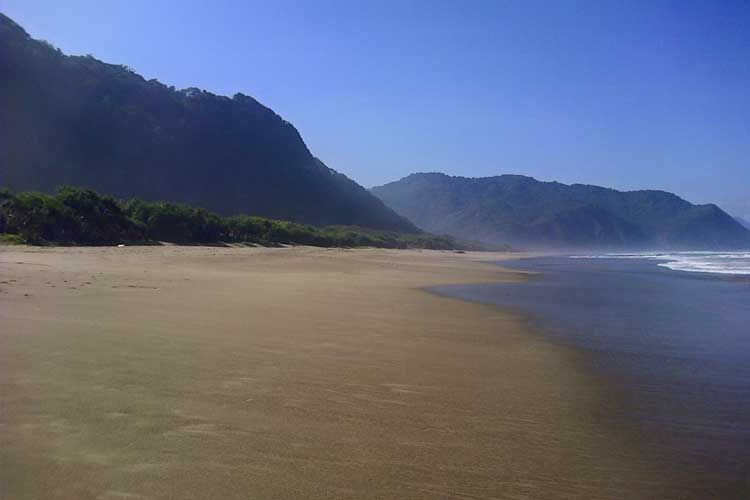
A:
[(296, 372), (683, 478)]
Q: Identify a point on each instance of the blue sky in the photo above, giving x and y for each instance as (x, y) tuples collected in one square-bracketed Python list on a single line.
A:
[(627, 94)]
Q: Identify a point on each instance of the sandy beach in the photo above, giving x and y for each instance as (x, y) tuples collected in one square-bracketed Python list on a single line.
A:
[(236, 373)]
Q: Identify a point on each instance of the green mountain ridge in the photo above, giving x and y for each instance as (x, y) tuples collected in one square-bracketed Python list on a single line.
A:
[(525, 212), (74, 120)]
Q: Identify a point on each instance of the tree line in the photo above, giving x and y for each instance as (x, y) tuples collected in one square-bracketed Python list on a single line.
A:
[(76, 216)]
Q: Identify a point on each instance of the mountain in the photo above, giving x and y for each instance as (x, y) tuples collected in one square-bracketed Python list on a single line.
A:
[(743, 222), (79, 121), (522, 211)]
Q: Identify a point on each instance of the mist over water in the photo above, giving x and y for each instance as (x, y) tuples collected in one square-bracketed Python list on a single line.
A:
[(673, 331)]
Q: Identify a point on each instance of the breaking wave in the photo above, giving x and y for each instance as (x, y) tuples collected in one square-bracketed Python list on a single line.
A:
[(696, 262)]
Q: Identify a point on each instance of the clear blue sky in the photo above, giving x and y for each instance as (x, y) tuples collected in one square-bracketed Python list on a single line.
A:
[(628, 94)]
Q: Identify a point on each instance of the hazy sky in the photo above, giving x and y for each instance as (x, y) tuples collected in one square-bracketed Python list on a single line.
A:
[(627, 94)]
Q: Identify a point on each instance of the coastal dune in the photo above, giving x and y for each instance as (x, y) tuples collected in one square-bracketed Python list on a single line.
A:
[(235, 373)]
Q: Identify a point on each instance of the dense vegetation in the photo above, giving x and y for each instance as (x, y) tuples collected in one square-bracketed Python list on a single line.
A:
[(76, 216), (525, 212), (75, 120)]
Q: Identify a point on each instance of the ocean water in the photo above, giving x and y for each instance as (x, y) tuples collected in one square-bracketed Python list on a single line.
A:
[(670, 331)]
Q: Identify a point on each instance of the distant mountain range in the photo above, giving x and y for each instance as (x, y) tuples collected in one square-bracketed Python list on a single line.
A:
[(525, 212), (744, 222), (78, 121)]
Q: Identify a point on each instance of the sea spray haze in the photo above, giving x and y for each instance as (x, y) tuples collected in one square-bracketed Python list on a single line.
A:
[(523, 211)]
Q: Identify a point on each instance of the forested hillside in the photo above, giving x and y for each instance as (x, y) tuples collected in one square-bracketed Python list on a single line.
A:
[(525, 212), (79, 121)]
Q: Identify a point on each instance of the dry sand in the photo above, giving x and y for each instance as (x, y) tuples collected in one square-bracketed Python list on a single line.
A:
[(297, 373)]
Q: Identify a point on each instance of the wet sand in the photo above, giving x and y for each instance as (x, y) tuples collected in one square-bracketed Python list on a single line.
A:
[(235, 373)]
